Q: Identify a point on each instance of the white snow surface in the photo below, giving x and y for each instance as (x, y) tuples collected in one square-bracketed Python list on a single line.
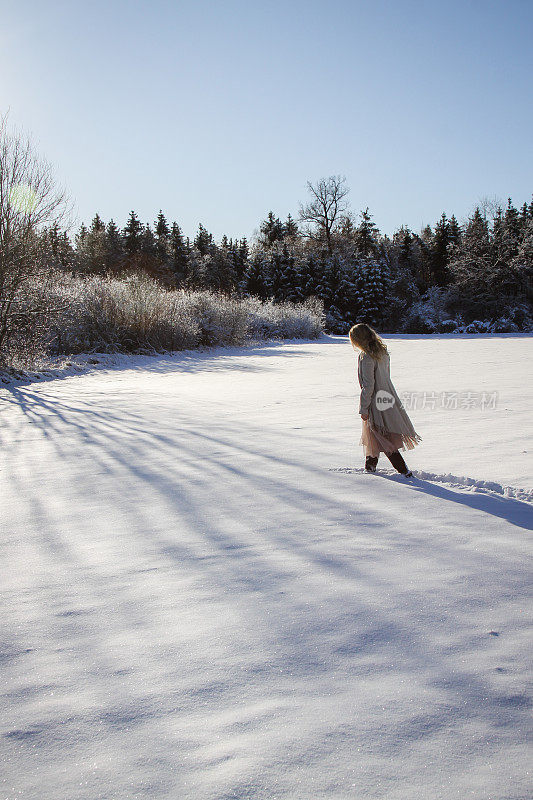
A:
[(204, 597)]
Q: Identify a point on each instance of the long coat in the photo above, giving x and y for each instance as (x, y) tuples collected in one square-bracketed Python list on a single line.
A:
[(380, 400)]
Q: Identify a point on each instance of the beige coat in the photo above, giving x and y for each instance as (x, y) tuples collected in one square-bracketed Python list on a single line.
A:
[(380, 401)]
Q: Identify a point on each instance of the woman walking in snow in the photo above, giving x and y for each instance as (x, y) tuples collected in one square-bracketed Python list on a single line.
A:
[(386, 425)]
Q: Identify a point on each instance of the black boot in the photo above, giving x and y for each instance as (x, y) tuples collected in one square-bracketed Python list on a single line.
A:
[(371, 463), (396, 459)]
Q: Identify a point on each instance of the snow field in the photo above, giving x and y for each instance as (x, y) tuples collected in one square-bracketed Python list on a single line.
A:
[(204, 597)]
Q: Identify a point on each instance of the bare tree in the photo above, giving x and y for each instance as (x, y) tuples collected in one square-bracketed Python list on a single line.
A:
[(326, 209), (29, 200), (489, 207)]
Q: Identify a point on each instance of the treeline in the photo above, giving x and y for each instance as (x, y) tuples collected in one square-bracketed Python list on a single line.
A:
[(475, 276), (146, 285)]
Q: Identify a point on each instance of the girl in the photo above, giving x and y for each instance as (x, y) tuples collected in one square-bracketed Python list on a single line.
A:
[(386, 426)]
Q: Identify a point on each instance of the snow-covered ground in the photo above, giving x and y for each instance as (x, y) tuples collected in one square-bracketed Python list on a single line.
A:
[(205, 598)]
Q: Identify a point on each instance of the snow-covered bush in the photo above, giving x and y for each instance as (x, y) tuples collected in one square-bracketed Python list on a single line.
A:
[(429, 313), (514, 320), (268, 320), (416, 322), (97, 314), (112, 315), (504, 325), (220, 320), (336, 323), (520, 315), (448, 326), (479, 326)]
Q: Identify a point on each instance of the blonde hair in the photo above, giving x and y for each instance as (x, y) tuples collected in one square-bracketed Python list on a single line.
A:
[(366, 338)]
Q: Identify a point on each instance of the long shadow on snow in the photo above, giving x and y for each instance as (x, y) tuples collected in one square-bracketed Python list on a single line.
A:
[(247, 571)]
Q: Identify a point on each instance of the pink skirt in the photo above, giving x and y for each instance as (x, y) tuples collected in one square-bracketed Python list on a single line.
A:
[(376, 442)]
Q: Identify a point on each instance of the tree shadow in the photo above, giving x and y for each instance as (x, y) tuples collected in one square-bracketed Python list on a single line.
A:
[(262, 567)]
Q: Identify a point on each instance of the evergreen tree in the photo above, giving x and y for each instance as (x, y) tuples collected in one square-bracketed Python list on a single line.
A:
[(363, 292), (91, 249), (277, 276), (146, 258), (336, 294), (402, 292), (377, 279), (454, 232), (310, 277), (194, 278), (475, 269), (133, 234), (333, 275), (238, 255), (148, 243), (53, 234), (162, 233), (349, 299), (272, 230), (178, 256), (521, 266), (439, 261), (422, 254), (114, 248), (255, 280), (476, 238), (57, 243), (513, 229), (203, 240), (218, 272), (292, 280), (405, 251), (322, 284), (243, 250), (366, 236), (66, 252), (290, 228), (82, 234), (499, 243), (524, 216), (97, 226)]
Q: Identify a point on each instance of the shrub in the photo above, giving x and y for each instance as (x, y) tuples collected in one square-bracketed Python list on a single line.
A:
[(268, 320), (416, 322), (97, 314), (504, 325), (448, 326), (221, 320)]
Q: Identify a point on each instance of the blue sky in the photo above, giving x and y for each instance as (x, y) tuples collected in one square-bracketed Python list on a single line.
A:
[(217, 112)]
